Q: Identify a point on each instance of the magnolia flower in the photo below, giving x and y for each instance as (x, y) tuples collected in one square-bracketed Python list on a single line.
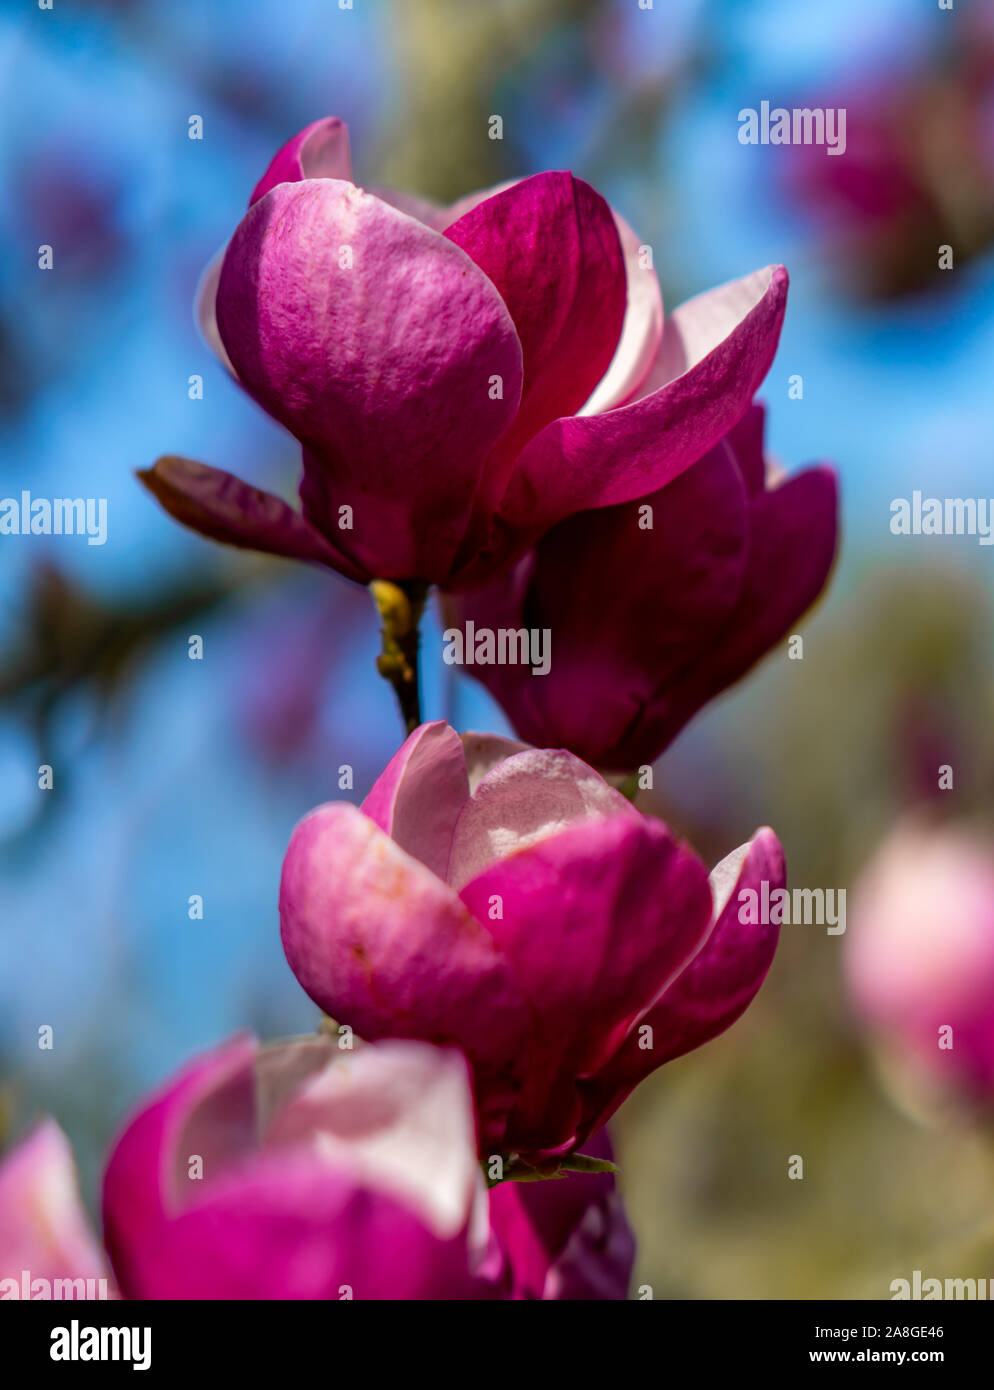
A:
[(299, 1171), (920, 959), (718, 569), (292, 1172), (510, 902), (459, 378)]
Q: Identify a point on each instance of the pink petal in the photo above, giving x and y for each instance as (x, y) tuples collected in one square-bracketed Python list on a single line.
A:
[(714, 989), (283, 1070), (642, 329), (382, 370), (205, 307), (794, 531), (524, 799), (398, 1115), (724, 977), (484, 751), (331, 1200), (319, 151), (594, 921), (746, 440), (419, 794), (715, 352), (147, 1180), (291, 1228), (382, 944), (448, 216), (615, 645), (598, 1258), (641, 333), (223, 508), (44, 1229), (550, 245)]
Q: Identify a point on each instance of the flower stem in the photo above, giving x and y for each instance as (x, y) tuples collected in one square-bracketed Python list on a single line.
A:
[(517, 1170), (400, 604)]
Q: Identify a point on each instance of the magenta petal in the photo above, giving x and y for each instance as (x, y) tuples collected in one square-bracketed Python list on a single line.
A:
[(794, 530), (715, 352), (616, 644), (44, 1228), (714, 989), (291, 1228), (724, 977), (319, 151), (367, 1160), (747, 441), (381, 944), (594, 921), (419, 794), (222, 507), (146, 1181), (550, 245), (375, 341)]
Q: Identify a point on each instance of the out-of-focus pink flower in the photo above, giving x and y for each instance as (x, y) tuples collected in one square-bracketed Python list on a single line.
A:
[(512, 903), (918, 167), (296, 1171), (460, 378), (566, 1238), (920, 955), (647, 625), (44, 1231), (299, 1171)]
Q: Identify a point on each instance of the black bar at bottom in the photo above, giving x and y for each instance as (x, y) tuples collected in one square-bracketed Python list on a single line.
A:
[(304, 1340)]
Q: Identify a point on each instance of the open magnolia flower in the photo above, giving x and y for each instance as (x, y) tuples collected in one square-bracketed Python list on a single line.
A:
[(510, 902), (718, 569), (459, 379), (299, 1171)]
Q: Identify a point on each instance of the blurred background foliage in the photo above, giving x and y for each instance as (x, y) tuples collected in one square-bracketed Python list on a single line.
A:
[(175, 777)]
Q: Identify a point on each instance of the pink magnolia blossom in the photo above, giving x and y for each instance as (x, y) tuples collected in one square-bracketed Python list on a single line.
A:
[(510, 902), (299, 1171), (920, 956), (292, 1172), (649, 624), (459, 378)]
